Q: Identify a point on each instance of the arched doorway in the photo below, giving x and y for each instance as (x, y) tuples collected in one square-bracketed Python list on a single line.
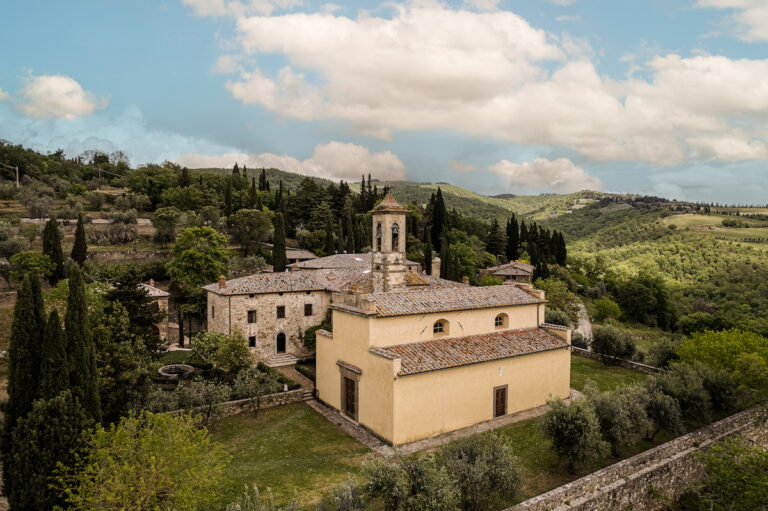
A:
[(281, 342)]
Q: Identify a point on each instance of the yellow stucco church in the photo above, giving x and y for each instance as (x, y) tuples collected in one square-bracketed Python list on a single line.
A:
[(411, 356)]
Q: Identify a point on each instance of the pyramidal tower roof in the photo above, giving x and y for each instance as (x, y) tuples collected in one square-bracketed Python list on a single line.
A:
[(389, 205)]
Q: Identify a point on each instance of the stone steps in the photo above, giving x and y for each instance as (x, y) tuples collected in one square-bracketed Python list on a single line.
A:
[(282, 359)]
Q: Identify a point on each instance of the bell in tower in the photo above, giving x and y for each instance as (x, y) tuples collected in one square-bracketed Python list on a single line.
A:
[(388, 245)]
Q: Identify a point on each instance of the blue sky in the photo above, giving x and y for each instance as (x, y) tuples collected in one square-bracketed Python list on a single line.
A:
[(499, 96)]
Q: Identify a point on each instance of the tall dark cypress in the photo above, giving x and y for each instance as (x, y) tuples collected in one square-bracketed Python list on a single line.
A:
[(52, 248), (54, 374), (523, 233), (236, 170), (428, 254), (445, 263), (81, 352), (561, 255), (513, 239), (351, 234), (329, 245), (228, 199), (278, 247), (184, 178), (339, 238), (80, 248), (438, 220), (263, 180), (252, 194), (496, 242)]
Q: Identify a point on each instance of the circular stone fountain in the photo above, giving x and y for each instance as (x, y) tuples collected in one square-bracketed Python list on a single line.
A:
[(176, 371)]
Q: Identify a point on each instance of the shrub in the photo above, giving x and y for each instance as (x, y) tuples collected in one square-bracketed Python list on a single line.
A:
[(96, 200), (663, 411), (556, 317), (123, 217), (580, 341), (605, 308), (280, 377), (610, 341), (13, 246), (39, 207), (31, 263), (574, 431), (684, 384), (254, 384), (304, 371), (490, 280), (622, 415), (484, 469), (663, 352)]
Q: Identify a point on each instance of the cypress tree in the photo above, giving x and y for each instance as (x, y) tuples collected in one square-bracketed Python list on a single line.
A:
[(329, 247), (48, 435), (245, 172), (184, 178), (80, 248), (263, 180), (54, 375), (52, 248), (252, 194), (561, 256), (339, 238), (428, 254), (445, 263), (523, 232), (496, 242), (278, 247), (438, 220), (259, 204), (81, 352), (351, 234), (228, 199), (236, 170), (513, 239)]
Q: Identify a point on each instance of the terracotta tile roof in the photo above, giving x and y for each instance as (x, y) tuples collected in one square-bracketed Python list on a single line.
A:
[(298, 253), (339, 261), (552, 326), (439, 299), (512, 271), (514, 265), (153, 291), (422, 357)]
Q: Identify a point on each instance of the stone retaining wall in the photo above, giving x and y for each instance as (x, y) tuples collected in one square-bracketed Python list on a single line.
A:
[(650, 480), (244, 405), (627, 364)]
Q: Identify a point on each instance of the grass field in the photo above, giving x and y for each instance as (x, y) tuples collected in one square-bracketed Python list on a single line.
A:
[(300, 455)]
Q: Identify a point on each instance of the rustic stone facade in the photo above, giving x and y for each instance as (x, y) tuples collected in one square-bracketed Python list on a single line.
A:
[(226, 313), (388, 262)]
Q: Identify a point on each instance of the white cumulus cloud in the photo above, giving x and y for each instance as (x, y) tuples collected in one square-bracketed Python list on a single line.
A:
[(561, 175), (483, 5), (334, 160), (57, 97), (491, 74), (749, 18)]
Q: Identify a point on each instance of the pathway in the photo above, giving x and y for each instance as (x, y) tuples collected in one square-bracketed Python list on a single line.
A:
[(377, 445), (585, 326)]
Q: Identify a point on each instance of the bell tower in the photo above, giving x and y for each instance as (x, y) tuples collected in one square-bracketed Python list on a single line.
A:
[(388, 245)]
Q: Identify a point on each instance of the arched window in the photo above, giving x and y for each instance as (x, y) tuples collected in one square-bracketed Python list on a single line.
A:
[(440, 328), (395, 238), (378, 237), (501, 321)]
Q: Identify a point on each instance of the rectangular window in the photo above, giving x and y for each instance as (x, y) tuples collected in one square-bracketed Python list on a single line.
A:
[(213, 312), (251, 316), (252, 341), (280, 311), (307, 309)]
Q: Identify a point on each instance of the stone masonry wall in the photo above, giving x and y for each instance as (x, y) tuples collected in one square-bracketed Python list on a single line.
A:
[(232, 312), (271, 401), (648, 481), (627, 364)]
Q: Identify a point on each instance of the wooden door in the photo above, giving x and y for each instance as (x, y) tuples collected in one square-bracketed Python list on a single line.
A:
[(281, 342), (350, 398), (499, 401)]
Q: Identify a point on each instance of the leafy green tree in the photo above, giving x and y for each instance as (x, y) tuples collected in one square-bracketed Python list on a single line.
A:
[(278, 247), (80, 248), (622, 415), (605, 308), (204, 348), (485, 470), (414, 483), (646, 298), (254, 384), (228, 199), (735, 476), (31, 263), (722, 349), (560, 297), (54, 375), (48, 435), (249, 228), (233, 354), (556, 317), (664, 412), (81, 352), (147, 462), (165, 221), (574, 431), (52, 248), (684, 384), (609, 341)]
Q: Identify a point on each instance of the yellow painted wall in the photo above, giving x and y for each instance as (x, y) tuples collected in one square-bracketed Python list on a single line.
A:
[(437, 402), (350, 344), (417, 328)]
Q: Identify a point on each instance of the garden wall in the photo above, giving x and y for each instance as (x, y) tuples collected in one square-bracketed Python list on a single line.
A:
[(620, 362), (650, 480), (271, 401)]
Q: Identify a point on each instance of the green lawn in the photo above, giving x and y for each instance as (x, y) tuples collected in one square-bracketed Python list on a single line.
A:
[(174, 357), (605, 377), (300, 455), (291, 449)]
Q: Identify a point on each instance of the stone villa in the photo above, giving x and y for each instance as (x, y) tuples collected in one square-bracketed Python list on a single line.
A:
[(515, 271), (405, 357)]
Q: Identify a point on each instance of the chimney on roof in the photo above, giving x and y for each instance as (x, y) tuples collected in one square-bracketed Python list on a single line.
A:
[(465, 280), (152, 282), (222, 282)]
